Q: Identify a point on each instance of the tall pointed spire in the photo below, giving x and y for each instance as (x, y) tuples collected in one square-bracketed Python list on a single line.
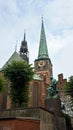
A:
[(43, 50)]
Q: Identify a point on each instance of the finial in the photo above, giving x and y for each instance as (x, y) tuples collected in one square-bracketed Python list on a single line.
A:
[(42, 18), (24, 35), (16, 47)]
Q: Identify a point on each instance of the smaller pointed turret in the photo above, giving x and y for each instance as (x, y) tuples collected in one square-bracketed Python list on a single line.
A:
[(43, 51), (24, 50)]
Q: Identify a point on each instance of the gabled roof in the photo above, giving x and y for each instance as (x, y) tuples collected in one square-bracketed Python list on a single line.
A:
[(15, 57), (43, 50)]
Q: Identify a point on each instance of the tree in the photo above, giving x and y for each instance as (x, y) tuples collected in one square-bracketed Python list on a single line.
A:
[(19, 75), (2, 82), (69, 91), (69, 87)]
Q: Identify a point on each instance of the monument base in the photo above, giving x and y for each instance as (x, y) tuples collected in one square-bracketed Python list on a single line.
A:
[(53, 105)]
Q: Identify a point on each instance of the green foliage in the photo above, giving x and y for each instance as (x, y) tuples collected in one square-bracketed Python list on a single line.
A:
[(69, 91), (2, 82), (69, 87), (19, 74)]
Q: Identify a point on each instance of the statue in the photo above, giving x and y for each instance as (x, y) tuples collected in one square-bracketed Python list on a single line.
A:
[(52, 89)]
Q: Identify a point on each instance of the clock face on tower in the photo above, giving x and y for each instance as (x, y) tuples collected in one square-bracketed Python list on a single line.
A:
[(41, 63)]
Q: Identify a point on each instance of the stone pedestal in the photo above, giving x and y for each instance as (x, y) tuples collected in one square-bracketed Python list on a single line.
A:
[(53, 105)]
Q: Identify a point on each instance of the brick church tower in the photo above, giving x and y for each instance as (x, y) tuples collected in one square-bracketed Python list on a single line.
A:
[(42, 64)]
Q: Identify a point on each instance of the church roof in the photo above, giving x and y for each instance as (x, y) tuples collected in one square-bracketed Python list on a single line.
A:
[(43, 50), (15, 57), (36, 77)]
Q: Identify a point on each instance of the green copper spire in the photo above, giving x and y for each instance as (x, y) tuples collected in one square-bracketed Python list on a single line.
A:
[(43, 51)]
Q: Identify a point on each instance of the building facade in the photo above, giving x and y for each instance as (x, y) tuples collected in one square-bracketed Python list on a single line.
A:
[(41, 80)]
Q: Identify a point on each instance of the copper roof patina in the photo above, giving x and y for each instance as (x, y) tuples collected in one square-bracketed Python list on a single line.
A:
[(43, 50)]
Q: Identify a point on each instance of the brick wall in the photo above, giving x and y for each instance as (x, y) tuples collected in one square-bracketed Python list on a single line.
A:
[(61, 81), (27, 124), (61, 84), (19, 124), (34, 83)]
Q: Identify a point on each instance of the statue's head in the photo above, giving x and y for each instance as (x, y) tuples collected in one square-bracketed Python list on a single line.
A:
[(51, 77)]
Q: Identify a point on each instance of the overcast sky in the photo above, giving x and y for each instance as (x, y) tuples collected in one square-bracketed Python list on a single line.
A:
[(19, 16)]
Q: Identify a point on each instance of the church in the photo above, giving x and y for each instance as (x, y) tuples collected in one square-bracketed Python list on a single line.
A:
[(41, 80), (40, 114)]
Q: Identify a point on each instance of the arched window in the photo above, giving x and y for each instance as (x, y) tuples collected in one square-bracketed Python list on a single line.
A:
[(35, 95)]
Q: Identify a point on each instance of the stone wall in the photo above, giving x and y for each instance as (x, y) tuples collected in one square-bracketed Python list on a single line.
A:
[(46, 120), (28, 119), (25, 112)]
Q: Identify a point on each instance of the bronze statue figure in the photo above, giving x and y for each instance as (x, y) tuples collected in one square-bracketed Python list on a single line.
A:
[(52, 89)]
